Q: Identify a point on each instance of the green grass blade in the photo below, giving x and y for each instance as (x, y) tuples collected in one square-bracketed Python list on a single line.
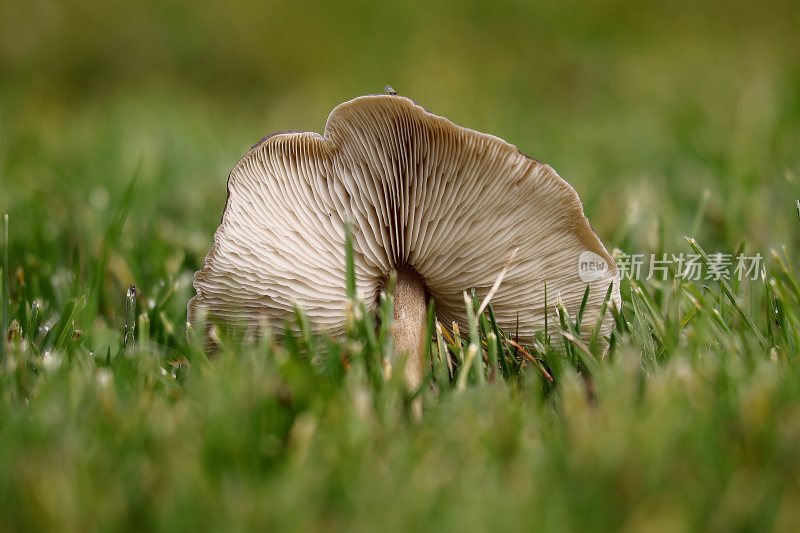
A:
[(474, 347), (565, 326), (772, 312), (429, 325), (130, 318), (546, 317), (786, 274), (654, 316), (601, 318), (350, 263), (110, 241), (642, 331), (579, 318), (458, 344), (385, 337), (68, 323), (4, 295), (469, 361), (491, 348), (726, 288), (503, 354), (444, 354), (577, 348)]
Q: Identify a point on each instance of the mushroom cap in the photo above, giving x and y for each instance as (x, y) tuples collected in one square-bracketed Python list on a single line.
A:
[(419, 192)]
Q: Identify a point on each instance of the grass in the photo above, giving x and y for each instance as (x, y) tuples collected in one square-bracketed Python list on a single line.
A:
[(114, 146), (691, 421)]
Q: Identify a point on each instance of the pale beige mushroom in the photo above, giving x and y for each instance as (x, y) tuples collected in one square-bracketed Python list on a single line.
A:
[(442, 206)]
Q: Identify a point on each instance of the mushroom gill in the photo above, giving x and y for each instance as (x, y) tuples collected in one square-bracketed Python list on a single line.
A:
[(441, 205)]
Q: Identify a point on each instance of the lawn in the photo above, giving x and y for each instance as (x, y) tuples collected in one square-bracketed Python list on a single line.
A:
[(678, 125)]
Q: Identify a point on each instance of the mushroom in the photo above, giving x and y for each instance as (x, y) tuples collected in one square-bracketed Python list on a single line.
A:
[(441, 206)]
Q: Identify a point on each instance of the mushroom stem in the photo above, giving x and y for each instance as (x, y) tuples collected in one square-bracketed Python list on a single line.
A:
[(410, 322)]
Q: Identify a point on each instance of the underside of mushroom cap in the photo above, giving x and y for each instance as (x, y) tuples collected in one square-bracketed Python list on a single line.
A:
[(420, 193)]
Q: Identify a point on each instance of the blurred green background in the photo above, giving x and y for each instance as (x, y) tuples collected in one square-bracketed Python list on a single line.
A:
[(642, 106)]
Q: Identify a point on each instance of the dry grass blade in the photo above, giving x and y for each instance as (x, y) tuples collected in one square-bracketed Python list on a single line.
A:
[(521, 349), (497, 282), (587, 358)]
